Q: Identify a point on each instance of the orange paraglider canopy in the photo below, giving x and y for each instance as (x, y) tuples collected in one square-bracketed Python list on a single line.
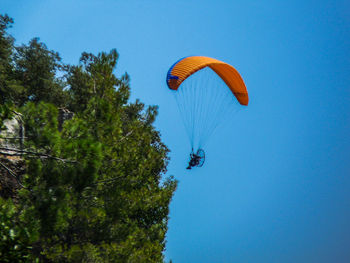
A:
[(187, 66)]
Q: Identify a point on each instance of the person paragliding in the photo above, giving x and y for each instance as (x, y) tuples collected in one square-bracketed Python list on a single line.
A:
[(207, 92), (196, 159)]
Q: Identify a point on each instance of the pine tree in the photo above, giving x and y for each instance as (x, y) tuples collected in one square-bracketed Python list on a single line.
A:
[(36, 68), (94, 189), (10, 88)]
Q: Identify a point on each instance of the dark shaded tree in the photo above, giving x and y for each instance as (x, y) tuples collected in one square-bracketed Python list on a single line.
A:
[(36, 68), (10, 87)]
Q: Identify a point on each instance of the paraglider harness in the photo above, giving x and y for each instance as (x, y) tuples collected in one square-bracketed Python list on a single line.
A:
[(196, 159)]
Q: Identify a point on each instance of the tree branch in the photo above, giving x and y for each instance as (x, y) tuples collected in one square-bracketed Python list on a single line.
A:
[(13, 138), (20, 152), (12, 174), (110, 180), (126, 135)]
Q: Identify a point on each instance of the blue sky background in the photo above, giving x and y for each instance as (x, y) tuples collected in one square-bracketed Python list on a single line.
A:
[(275, 185)]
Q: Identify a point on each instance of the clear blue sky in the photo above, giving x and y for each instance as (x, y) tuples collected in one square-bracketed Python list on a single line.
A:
[(276, 183)]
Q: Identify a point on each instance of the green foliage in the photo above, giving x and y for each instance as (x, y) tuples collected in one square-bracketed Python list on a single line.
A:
[(10, 88), (36, 68), (94, 190), (28, 72), (5, 113), (17, 234)]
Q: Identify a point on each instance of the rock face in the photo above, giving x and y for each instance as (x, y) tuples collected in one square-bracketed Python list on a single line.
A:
[(13, 134), (12, 166)]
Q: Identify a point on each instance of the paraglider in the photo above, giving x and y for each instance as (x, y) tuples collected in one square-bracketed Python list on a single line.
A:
[(207, 91), (196, 159)]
